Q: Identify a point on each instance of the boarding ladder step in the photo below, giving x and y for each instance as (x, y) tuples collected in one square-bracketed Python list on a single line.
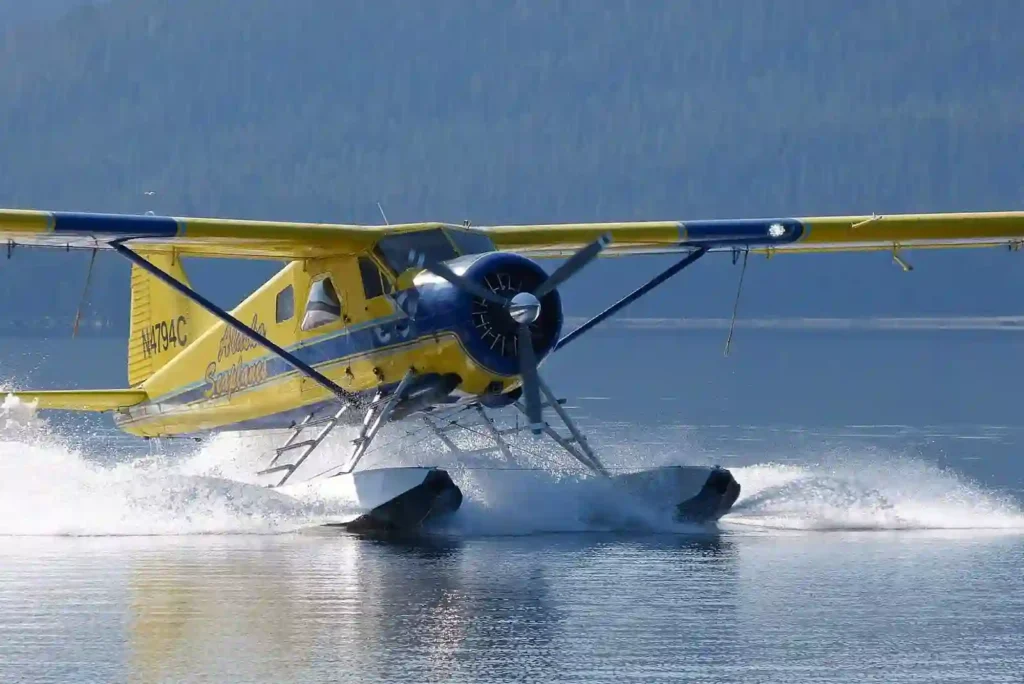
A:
[(308, 446)]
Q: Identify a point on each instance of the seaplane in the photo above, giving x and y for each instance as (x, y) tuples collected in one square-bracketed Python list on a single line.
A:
[(445, 325)]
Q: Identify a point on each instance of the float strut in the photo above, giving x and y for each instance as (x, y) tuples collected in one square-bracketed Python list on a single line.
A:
[(374, 419)]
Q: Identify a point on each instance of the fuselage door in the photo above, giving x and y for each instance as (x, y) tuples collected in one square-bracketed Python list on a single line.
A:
[(375, 288), (326, 310)]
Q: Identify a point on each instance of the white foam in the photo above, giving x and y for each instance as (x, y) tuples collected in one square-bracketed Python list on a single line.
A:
[(867, 491), (53, 485)]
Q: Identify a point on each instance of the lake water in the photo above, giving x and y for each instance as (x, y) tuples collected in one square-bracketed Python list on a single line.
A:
[(879, 536)]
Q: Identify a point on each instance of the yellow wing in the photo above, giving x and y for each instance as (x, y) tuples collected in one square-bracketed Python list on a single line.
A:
[(191, 236), (279, 240), (813, 234)]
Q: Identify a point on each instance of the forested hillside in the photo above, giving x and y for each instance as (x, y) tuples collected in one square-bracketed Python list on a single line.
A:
[(527, 110), (14, 12)]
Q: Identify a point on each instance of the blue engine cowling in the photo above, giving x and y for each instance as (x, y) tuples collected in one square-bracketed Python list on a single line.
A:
[(485, 330)]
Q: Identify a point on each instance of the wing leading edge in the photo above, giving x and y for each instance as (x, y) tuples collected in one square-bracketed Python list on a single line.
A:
[(228, 238), (810, 234), (205, 237)]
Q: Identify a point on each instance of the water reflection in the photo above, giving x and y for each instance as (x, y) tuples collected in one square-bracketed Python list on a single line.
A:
[(558, 607), (532, 608), (350, 608)]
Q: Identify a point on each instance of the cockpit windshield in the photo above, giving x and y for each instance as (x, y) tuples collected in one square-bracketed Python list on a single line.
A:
[(401, 251), (471, 241)]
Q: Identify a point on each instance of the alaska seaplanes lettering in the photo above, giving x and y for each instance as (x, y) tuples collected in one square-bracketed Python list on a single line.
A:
[(238, 375)]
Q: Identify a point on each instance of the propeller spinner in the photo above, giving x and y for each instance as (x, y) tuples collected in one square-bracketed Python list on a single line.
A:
[(523, 309)]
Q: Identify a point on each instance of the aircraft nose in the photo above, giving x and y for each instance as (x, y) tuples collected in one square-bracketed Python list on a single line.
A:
[(490, 327)]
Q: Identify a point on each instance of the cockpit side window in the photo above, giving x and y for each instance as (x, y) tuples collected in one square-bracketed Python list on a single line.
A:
[(374, 282), (323, 305), (285, 304)]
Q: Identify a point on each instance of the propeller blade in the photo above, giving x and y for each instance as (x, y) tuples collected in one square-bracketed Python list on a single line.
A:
[(573, 264), (441, 270), (85, 294), (531, 381)]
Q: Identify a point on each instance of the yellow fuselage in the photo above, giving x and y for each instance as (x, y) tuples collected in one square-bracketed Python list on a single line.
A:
[(222, 379)]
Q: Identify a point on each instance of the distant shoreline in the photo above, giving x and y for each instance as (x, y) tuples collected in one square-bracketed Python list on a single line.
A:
[(1008, 323)]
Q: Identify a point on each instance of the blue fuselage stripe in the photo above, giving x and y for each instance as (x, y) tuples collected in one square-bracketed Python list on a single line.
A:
[(333, 349)]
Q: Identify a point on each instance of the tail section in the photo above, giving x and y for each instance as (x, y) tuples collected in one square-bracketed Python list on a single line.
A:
[(163, 323), (82, 400)]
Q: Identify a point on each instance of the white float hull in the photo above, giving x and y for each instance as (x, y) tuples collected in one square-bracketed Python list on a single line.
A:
[(385, 499), (687, 493), (405, 499)]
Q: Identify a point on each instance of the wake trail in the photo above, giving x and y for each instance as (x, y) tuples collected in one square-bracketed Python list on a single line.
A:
[(867, 493), (85, 485), (53, 485)]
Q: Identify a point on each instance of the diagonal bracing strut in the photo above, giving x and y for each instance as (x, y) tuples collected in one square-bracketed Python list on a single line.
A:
[(375, 417), (233, 322), (634, 295)]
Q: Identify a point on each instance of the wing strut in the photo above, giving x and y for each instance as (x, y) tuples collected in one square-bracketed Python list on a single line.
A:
[(230, 320), (736, 302), (634, 295)]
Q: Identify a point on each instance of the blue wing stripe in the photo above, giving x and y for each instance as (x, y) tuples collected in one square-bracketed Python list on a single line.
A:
[(744, 231), (117, 225)]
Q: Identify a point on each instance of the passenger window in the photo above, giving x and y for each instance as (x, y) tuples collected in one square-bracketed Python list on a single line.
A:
[(323, 306), (285, 304), (374, 284)]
